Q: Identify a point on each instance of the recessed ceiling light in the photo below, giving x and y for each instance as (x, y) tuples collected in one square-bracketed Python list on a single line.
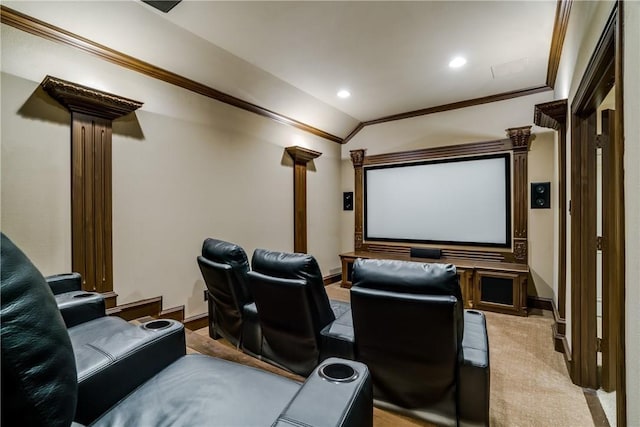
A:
[(343, 93), (457, 62)]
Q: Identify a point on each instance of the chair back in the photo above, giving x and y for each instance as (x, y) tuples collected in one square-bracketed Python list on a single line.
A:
[(407, 320), (224, 267), (39, 379), (293, 307)]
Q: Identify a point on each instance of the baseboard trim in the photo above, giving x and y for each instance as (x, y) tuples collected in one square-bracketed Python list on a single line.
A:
[(197, 321), (595, 408), (134, 310), (110, 299), (540, 303), (332, 278), (175, 313)]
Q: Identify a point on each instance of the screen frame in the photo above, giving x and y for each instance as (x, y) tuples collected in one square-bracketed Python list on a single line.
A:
[(507, 156)]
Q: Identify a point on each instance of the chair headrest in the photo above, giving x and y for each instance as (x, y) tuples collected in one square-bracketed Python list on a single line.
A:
[(287, 265), (39, 378), (225, 253), (407, 277)]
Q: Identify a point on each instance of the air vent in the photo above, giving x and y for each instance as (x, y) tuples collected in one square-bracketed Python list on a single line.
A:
[(508, 68), (162, 5)]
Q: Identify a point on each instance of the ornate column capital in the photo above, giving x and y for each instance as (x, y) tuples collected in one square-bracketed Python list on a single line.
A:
[(357, 157), (520, 137)]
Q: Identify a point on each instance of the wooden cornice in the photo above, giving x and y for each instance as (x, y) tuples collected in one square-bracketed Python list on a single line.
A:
[(83, 99), (50, 32), (551, 114), (302, 155), (520, 137), (563, 10)]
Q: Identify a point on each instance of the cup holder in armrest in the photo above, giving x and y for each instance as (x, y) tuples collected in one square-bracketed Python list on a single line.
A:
[(84, 295), (156, 325), (338, 372)]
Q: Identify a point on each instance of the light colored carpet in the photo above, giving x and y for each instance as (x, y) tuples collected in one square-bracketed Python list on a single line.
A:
[(530, 385)]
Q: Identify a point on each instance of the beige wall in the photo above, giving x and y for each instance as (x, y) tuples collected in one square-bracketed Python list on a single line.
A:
[(632, 206), (184, 168)]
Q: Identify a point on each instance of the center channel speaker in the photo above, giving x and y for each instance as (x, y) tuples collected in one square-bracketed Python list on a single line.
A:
[(540, 195)]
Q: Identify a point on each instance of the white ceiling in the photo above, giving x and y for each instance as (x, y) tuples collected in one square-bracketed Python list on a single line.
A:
[(393, 56)]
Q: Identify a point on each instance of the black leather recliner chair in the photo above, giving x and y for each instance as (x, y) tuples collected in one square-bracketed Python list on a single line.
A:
[(293, 308), (427, 356), (232, 312), (77, 306), (39, 386)]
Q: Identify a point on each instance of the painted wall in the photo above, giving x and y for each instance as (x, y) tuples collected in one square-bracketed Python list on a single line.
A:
[(185, 167), (480, 123), (632, 206)]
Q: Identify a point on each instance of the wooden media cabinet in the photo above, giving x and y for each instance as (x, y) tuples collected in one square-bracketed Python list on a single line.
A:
[(485, 285)]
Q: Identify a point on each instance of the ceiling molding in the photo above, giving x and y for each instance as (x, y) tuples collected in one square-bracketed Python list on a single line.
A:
[(50, 32), (448, 107), (563, 10)]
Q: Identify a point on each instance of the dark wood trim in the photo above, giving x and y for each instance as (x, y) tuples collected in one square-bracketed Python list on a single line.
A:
[(301, 156), (86, 100), (540, 303), (597, 80), (110, 299), (357, 158), (50, 32), (560, 25), (595, 408), (485, 147), (460, 104), (135, 310), (332, 278), (196, 322), (175, 313), (354, 132), (554, 115), (91, 215), (617, 234)]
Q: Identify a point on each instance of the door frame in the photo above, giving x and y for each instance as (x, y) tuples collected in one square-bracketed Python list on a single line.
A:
[(603, 71)]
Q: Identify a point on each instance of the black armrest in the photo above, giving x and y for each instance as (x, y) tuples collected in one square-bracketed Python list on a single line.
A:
[(344, 402), (61, 283), (474, 375), (79, 307)]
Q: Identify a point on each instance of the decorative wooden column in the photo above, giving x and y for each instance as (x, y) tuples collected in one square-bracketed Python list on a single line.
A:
[(553, 115), (301, 156), (92, 112), (520, 139), (357, 158)]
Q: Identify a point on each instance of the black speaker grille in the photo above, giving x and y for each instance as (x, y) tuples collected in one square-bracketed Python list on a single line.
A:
[(497, 290)]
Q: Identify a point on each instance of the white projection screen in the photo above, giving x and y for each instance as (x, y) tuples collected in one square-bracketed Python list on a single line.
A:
[(461, 201)]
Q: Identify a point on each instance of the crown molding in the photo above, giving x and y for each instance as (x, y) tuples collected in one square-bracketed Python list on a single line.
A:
[(83, 99), (50, 32), (563, 10)]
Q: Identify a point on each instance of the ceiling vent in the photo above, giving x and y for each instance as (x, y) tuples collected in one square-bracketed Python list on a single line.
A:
[(162, 5), (508, 68)]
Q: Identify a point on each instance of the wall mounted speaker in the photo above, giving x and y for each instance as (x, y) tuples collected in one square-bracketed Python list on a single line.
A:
[(540, 195), (347, 200)]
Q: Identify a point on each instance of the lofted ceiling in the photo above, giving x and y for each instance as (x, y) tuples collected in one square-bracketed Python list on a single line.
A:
[(392, 56), (287, 60)]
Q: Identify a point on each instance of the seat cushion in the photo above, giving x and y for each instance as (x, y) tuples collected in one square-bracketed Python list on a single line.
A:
[(113, 357), (198, 390)]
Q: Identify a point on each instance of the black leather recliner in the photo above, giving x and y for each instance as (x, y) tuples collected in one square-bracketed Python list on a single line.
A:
[(39, 378), (232, 312), (293, 308), (427, 356), (77, 306)]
